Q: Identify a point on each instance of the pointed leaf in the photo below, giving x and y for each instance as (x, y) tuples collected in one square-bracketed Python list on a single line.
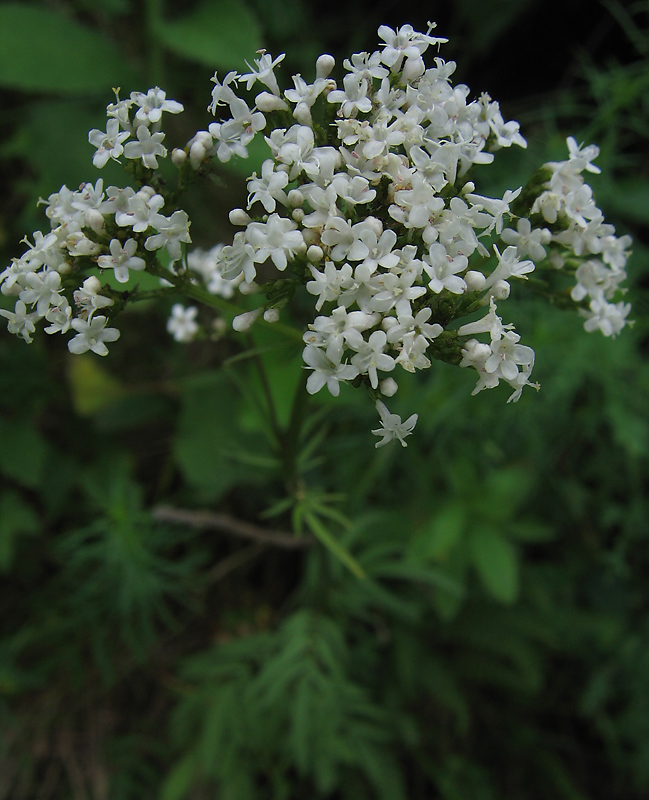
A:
[(496, 560)]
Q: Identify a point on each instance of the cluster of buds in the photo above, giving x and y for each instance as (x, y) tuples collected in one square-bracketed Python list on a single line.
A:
[(367, 201)]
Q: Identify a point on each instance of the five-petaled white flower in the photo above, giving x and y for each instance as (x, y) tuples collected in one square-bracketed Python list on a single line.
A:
[(391, 426)]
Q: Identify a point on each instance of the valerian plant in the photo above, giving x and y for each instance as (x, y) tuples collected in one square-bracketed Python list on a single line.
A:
[(368, 204)]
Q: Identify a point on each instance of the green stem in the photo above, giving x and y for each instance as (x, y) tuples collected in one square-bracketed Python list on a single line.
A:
[(270, 403), (291, 437)]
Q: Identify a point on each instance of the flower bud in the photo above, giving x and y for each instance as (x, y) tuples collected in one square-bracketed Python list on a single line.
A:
[(248, 288), (295, 198), (271, 315), (204, 137), (474, 280), (302, 114), (95, 220), (375, 225), (324, 65), (92, 285), (315, 254), (196, 154), (238, 216), (388, 387), (476, 352), (146, 193), (178, 157), (413, 68), (267, 102), (298, 214), (500, 290), (243, 322)]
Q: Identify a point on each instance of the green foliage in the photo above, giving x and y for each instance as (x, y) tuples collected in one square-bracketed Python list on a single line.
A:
[(63, 56), (220, 35)]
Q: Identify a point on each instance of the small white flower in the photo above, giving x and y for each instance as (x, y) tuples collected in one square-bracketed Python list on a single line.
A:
[(182, 323), (391, 426), (148, 147), (277, 239), (326, 371), (152, 104), (19, 321), (263, 72), (109, 144), (171, 232), (88, 299), (93, 334), (121, 259)]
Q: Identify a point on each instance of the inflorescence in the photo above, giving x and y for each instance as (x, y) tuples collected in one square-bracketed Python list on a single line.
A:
[(367, 202)]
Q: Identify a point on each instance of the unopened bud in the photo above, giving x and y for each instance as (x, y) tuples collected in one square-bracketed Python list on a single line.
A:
[(500, 290), (269, 102), (204, 137), (196, 154), (95, 220), (295, 198), (375, 225), (324, 65), (243, 322), (315, 254), (474, 280), (388, 387), (248, 288), (413, 68), (298, 214), (476, 352), (178, 157), (239, 217), (302, 114), (271, 315)]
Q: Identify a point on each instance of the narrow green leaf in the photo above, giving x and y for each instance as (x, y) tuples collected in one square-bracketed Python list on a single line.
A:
[(44, 50), (332, 544)]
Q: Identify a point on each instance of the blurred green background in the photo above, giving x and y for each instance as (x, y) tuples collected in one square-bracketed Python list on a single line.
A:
[(498, 647)]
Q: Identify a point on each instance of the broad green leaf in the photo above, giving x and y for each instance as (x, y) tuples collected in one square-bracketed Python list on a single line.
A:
[(210, 446), (441, 535), (22, 452), (220, 34), (91, 386), (496, 561), (46, 51)]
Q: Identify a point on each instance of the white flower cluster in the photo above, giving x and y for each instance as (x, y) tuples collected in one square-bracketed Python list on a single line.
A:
[(368, 203), (93, 228), (568, 201), (367, 183)]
